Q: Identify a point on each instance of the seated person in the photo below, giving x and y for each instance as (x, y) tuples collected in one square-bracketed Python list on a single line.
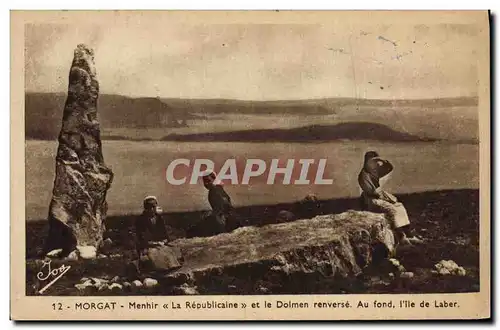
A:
[(150, 226), (220, 202), (377, 199)]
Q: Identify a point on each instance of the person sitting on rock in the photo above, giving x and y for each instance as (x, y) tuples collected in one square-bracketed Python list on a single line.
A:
[(220, 202), (150, 226), (376, 199)]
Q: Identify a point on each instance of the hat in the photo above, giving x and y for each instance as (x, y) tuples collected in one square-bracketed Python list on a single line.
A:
[(370, 154), (149, 199), (213, 175), (210, 174)]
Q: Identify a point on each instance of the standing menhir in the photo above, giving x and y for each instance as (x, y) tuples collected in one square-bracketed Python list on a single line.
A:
[(78, 206)]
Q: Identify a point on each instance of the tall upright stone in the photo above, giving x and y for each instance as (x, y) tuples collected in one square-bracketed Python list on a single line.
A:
[(78, 206)]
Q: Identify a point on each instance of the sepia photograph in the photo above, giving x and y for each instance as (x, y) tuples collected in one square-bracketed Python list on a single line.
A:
[(210, 157)]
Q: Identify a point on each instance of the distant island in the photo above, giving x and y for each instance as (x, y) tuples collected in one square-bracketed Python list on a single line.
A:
[(316, 133)]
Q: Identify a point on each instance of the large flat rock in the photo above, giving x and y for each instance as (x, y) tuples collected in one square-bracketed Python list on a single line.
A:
[(335, 246)]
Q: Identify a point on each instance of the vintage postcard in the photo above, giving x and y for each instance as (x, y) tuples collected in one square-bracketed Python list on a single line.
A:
[(250, 165)]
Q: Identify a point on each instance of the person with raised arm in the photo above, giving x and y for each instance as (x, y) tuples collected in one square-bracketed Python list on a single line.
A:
[(376, 199)]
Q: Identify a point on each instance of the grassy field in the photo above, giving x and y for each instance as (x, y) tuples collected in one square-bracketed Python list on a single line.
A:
[(139, 169), (447, 219)]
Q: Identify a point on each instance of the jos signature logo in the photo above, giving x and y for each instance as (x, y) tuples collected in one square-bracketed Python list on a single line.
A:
[(46, 273)]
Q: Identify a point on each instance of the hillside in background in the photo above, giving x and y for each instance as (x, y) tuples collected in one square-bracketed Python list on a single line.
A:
[(317, 133), (319, 106), (44, 113), (449, 119)]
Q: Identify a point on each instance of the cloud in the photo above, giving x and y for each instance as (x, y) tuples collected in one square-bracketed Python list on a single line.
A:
[(253, 61)]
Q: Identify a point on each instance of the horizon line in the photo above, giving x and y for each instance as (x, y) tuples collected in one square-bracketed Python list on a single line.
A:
[(272, 100)]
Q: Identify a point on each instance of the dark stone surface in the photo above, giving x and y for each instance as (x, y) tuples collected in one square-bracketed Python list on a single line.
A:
[(163, 258), (78, 206)]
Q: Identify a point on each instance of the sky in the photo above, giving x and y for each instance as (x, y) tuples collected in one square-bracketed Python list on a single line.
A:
[(260, 61)]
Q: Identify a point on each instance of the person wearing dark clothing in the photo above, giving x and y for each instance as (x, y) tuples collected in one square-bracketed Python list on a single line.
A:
[(374, 169), (376, 199), (220, 202), (150, 226)]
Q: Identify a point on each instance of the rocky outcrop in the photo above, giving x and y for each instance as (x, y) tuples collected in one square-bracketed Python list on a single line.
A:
[(161, 258), (250, 260), (78, 206), (281, 258), (449, 267), (325, 254)]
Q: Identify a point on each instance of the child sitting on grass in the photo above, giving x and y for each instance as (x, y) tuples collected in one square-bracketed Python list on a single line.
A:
[(150, 226)]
